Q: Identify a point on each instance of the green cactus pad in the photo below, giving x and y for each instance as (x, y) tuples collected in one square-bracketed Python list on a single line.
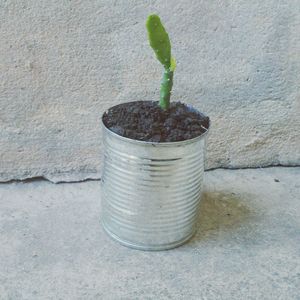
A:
[(159, 40)]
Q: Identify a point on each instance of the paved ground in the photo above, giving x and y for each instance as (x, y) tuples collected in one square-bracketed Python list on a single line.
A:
[(247, 246)]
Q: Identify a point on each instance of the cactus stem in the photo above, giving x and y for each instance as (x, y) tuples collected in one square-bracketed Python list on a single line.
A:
[(165, 89)]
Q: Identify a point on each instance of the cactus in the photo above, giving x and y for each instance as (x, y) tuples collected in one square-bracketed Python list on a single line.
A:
[(160, 43)]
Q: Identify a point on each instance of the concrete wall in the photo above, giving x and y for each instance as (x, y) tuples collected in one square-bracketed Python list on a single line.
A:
[(62, 63)]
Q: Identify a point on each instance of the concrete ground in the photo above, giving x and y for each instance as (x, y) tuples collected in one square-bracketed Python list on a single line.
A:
[(247, 246)]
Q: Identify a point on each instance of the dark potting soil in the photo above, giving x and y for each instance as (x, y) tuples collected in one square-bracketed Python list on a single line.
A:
[(146, 121)]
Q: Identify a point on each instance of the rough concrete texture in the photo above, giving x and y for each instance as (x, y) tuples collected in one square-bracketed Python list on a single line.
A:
[(64, 62), (247, 245)]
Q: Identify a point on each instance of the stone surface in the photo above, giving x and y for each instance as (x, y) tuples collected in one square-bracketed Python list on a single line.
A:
[(62, 63), (247, 245)]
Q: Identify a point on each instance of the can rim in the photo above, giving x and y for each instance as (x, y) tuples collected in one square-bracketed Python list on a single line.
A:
[(147, 143)]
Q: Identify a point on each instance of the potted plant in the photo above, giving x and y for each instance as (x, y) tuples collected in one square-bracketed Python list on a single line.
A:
[(153, 163)]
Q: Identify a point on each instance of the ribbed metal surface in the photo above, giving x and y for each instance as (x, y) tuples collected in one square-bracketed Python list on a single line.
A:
[(151, 191)]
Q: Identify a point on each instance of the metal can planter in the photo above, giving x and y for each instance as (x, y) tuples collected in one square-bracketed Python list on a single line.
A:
[(151, 191)]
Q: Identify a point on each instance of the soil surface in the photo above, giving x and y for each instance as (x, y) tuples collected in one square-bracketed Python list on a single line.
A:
[(146, 121)]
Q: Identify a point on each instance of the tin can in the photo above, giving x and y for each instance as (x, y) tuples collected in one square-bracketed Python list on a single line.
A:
[(151, 191)]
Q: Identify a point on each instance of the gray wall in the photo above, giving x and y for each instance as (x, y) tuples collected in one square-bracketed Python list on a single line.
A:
[(64, 62)]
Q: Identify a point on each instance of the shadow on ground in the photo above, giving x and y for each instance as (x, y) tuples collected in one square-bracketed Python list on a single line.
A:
[(220, 212)]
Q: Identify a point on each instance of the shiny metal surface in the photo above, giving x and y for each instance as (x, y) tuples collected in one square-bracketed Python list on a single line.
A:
[(151, 191)]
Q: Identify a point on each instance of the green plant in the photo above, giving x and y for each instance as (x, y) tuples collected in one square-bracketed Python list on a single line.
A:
[(160, 43)]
